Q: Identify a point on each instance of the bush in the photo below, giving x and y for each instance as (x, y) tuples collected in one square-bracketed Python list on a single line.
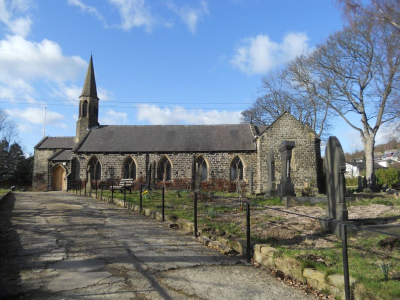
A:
[(387, 176)]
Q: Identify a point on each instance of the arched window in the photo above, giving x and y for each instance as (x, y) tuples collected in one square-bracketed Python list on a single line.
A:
[(84, 109), (129, 169), (236, 169), (94, 169), (201, 166), (164, 170)]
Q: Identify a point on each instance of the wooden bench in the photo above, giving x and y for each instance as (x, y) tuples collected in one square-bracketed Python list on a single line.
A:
[(127, 184)]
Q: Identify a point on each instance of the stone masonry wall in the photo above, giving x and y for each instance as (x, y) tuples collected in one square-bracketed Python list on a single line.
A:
[(305, 154), (218, 164), (40, 167)]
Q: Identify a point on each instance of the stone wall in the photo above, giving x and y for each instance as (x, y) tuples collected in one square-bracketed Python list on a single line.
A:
[(218, 164), (40, 167), (305, 157)]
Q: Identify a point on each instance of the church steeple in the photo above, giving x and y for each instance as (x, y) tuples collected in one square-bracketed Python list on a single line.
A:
[(88, 104), (89, 88)]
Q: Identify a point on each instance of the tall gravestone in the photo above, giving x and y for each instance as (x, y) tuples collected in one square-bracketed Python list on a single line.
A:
[(335, 167), (286, 187), (251, 180), (374, 186), (271, 190), (360, 184), (365, 185)]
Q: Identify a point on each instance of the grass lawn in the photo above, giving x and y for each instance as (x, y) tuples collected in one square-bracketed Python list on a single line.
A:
[(4, 191)]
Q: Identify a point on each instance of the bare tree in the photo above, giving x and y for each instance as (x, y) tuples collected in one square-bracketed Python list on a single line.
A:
[(8, 128), (380, 11), (357, 72), (280, 93)]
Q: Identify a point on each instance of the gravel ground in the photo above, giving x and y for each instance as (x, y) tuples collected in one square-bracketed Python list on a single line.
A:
[(60, 246)]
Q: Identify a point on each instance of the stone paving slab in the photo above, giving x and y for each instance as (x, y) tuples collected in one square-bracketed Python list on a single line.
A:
[(60, 246)]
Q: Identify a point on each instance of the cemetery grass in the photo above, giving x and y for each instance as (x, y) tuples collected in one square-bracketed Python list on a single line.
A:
[(3, 192), (297, 237)]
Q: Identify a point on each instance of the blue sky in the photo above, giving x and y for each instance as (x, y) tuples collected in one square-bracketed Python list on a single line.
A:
[(156, 62)]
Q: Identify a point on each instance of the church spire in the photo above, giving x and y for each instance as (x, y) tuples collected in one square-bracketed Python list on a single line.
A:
[(89, 88), (88, 105)]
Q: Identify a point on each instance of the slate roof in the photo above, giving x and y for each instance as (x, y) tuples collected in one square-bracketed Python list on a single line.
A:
[(89, 87), (64, 142), (63, 155), (168, 138)]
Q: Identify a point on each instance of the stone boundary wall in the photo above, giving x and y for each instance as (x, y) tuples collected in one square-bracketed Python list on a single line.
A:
[(263, 254), (4, 196)]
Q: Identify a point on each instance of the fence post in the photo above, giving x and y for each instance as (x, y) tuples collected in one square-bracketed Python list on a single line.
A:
[(248, 231), (112, 192), (163, 204), (80, 187), (141, 198), (96, 188), (345, 261), (101, 191), (124, 193), (76, 189), (85, 187), (195, 214)]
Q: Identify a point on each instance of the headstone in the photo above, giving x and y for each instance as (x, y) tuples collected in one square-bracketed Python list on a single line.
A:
[(365, 183), (286, 187), (335, 167), (374, 186), (251, 180), (360, 184), (271, 191)]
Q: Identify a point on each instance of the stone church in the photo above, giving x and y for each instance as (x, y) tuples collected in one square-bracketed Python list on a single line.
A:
[(101, 152)]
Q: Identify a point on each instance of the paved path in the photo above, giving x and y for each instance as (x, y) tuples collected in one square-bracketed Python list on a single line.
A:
[(60, 246)]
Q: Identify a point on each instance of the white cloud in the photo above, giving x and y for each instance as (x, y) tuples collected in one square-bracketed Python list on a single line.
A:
[(24, 62), (72, 92), (35, 116), (258, 55), (88, 9), (134, 13), (113, 117), (21, 58), (178, 115), (16, 25), (189, 15)]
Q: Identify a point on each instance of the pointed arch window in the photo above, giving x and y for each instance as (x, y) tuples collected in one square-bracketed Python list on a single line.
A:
[(129, 169), (236, 169), (164, 170), (94, 169), (201, 166), (84, 108)]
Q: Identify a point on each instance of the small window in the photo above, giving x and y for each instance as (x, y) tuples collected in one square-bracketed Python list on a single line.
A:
[(236, 169), (129, 169), (84, 109), (201, 165), (164, 170), (94, 168)]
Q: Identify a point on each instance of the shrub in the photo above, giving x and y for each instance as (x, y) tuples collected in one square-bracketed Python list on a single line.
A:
[(389, 176)]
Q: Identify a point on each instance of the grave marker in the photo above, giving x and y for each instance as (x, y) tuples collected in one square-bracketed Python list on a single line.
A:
[(271, 191), (286, 187), (335, 167)]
